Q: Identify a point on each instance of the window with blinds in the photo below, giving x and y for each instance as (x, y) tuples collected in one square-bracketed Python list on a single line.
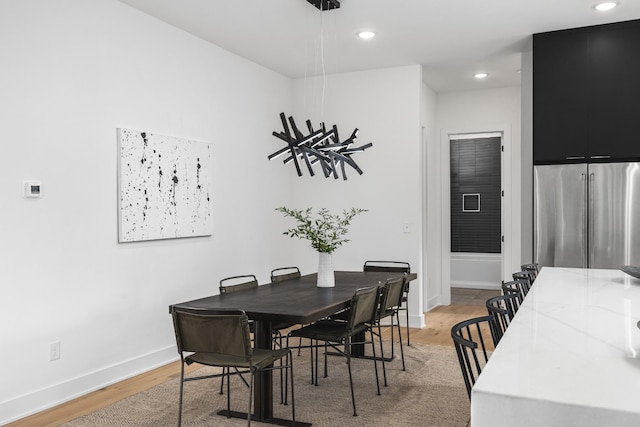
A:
[(475, 194)]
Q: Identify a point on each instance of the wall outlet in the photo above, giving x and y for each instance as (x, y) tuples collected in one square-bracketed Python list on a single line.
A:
[(406, 228), (54, 351)]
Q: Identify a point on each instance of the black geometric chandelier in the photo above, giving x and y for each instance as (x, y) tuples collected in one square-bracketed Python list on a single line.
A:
[(318, 147)]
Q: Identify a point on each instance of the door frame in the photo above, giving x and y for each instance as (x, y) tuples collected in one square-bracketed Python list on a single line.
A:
[(445, 198)]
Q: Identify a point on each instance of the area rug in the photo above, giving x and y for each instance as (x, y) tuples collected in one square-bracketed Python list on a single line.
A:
[(429, 393)]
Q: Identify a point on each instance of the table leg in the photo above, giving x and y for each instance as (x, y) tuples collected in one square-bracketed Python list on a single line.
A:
[(263, 388)]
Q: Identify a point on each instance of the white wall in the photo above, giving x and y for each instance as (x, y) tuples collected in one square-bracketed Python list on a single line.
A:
[(385, 105), (470, 112), (72, 72)]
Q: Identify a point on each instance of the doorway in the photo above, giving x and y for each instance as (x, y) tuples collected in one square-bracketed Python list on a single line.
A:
[(476, 210)]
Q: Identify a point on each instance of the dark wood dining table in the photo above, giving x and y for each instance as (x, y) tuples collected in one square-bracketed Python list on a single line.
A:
[(293, 301)]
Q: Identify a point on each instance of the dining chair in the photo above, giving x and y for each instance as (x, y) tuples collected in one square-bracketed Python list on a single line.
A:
[(516, 287), (394, 267), (527, 276), (221, 338), (533, 267), (390, 301), (334, 333), (284, 273), (471, 341), (230, 285), (238, 283), (503, 308), (280, 275)]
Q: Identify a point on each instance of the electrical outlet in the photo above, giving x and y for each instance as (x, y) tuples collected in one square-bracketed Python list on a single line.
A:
[(54, 351), (406, 228)]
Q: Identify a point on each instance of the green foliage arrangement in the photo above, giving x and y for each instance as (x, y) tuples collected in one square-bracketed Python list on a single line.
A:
[(325, 231)]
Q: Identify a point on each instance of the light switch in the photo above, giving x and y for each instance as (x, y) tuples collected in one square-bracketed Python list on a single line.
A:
[(32, 189), (406, 228)]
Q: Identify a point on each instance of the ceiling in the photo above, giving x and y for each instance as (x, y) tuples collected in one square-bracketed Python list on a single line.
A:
[(451, 39)]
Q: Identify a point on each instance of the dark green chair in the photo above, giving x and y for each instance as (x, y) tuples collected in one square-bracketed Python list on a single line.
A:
[(221, 338), (394, 267), (335, 333), (284, 273), (390, 301)]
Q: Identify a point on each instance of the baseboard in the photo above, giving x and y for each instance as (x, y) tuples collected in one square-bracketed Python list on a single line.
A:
[(48, 397), (476, 285), (433, 302)]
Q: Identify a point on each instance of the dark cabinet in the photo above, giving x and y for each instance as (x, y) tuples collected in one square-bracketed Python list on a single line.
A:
[(586, 94)]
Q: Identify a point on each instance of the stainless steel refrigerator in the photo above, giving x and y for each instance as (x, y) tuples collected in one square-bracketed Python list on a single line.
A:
[(587, 215)]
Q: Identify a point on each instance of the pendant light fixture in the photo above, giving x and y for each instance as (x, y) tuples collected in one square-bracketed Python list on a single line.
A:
[(318, 146)]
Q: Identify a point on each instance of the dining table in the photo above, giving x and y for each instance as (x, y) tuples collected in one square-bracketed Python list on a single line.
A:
[(294, 301), (569, 357)]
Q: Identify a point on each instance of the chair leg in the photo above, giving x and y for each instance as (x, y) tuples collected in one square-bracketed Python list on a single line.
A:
[(353, 396), (222, 380), (229, 392), (400, 338), (316, 363), (293, 398), (393, 354), (181, 391), (286, 375), (375, 359), (384, 366), (326, 369), (407, 314)]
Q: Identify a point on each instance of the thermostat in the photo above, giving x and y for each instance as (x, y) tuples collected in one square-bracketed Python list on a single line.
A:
[(32, 189)]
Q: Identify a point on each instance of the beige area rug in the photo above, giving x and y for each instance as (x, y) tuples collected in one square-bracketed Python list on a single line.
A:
[(429, 393)]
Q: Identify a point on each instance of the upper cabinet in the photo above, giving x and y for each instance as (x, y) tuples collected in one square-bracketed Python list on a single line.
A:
[(586, 94)]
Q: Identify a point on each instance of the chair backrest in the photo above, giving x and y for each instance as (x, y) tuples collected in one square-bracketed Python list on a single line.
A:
[(535, 267), (526, 276), (518, 288), (388, 266), (474, 339), (284, 273), (212, 331), (392, 293), (238, 283), (503, 308), (364, 306)]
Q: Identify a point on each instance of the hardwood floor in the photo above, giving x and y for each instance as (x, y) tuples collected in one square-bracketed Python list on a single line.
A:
[(437, 332)]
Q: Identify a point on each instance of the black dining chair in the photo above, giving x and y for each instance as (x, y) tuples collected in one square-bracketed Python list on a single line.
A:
[(394, 267), (526, 276), (503, 308), (534, 267), (518, 288), (474, 340), (221, 338), (335, 333)]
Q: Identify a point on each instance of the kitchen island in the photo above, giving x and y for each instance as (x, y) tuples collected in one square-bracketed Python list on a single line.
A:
[(571, 356)]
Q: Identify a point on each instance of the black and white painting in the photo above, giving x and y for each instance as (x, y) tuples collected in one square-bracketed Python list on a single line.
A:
[(164, 187)]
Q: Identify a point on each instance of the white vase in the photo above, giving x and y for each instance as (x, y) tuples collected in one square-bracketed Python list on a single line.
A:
[(326, 278)]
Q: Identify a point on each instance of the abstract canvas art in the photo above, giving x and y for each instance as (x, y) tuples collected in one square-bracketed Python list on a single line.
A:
[(164, 187)]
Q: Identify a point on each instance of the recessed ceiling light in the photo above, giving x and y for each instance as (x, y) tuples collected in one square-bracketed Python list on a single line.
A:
[(480, 75), (366, 35), (605, 6)]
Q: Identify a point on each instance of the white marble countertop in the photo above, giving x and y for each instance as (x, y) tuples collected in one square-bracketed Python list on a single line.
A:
[(571, 356)]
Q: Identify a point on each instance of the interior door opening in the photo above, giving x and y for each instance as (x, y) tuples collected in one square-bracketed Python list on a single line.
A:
[(476, 198)]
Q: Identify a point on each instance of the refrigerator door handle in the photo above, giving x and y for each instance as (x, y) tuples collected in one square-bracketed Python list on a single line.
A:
[(590, 219), (585, 225)]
